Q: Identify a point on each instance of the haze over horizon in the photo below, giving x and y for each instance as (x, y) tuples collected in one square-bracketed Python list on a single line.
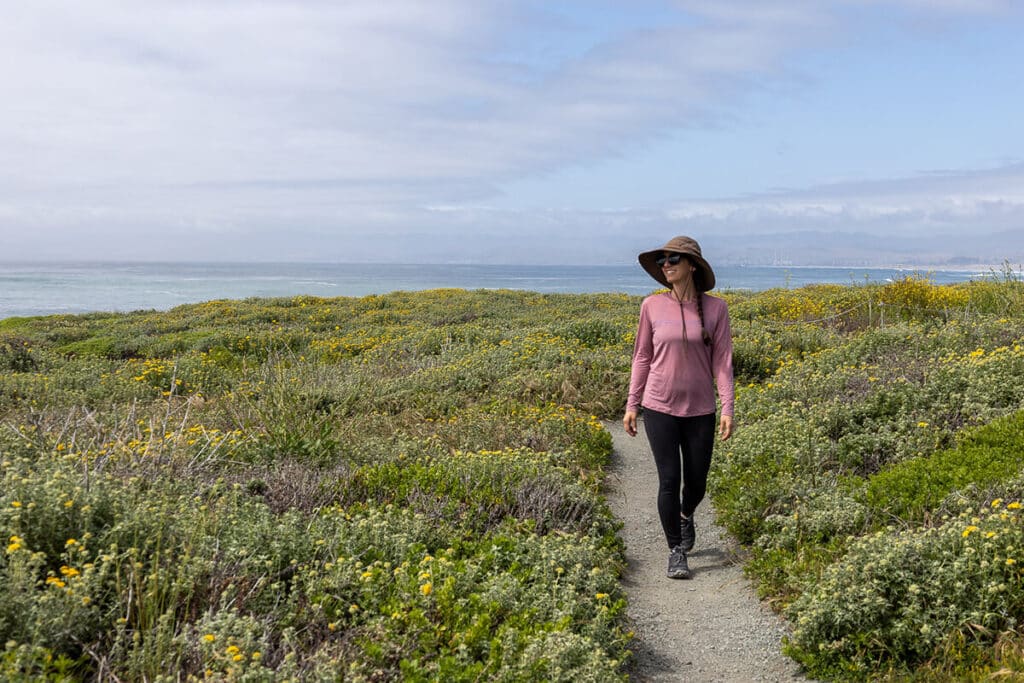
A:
[(843, 132)]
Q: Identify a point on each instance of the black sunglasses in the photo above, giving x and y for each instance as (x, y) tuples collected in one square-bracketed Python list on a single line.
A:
[(671, 259)]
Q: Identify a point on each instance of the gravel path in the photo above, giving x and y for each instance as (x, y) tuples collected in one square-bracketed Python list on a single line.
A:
[(710, 628)]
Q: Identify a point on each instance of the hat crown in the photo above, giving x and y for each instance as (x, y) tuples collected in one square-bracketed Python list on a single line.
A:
[(683, 245)]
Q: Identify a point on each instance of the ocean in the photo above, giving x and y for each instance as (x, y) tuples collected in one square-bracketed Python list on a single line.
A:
[(28, 289)]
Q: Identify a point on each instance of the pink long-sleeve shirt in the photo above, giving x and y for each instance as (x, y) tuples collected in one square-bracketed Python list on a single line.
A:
[(676, 378)]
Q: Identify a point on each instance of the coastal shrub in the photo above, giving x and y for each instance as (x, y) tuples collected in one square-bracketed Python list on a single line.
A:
[(275, 474), (821, 515), (986, 456), (17, 354), (595, 333), (898, 598), (572, 437), (1001, 293), (215, 490), (884, 397), (916, 294), (481, 490), (103, 347), (755, 357), (170, 569), (874, 399), (755, 477)]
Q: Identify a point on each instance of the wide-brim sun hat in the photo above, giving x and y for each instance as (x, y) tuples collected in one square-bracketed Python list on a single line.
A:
[(703, 277)]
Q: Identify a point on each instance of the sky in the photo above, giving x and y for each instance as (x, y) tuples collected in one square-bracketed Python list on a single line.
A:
[(846, 132)]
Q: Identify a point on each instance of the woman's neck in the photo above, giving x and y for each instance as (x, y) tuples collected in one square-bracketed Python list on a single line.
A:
[(684, 292)]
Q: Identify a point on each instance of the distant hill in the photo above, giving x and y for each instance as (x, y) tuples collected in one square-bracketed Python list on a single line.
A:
[(865, 249)]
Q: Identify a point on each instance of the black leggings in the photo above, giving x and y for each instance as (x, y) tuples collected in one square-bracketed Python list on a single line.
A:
[(694, 437)]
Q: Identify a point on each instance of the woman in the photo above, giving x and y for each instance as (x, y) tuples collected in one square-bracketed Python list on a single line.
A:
[(683, 352)]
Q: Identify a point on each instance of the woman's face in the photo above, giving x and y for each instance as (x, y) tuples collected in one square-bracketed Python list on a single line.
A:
[(677, 273)]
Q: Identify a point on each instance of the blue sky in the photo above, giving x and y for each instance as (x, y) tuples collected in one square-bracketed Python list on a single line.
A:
[(857, 132)]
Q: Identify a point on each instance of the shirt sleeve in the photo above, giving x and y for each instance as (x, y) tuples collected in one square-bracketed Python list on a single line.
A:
[(643, 350), (721, 362)]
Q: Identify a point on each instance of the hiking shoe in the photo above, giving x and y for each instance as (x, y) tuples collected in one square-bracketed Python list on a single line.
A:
[(687, 533), (677, 566)]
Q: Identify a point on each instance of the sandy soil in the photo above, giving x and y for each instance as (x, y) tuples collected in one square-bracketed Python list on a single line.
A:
[(709, 628)]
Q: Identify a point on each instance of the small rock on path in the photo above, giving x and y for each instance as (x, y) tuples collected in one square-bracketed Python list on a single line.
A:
[(711, 628)]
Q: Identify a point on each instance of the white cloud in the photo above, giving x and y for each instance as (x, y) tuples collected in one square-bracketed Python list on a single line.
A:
[(165, 92), (984, 197), (182, 122)]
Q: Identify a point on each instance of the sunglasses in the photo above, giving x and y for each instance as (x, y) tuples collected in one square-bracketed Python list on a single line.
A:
[(671, 259)]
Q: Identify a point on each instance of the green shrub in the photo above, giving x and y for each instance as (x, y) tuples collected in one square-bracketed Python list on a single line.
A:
[(595, 334), (899, 598), (481, 490), (266, 489), (17, 355), (984, 457)]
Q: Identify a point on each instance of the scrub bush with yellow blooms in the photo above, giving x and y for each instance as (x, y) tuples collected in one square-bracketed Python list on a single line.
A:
[(397, 487), (901, 597), (408, 486), (850, 473)]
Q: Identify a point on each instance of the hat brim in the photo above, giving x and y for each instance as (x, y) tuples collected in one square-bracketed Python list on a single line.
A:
[(703, 277)]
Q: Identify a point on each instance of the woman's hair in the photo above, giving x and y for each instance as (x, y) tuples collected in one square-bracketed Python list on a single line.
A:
[(700, 312), (698, 285)]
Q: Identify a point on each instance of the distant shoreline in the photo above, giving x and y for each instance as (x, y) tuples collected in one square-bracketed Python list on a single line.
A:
[(979, 268), (949, 268), (52, 288)]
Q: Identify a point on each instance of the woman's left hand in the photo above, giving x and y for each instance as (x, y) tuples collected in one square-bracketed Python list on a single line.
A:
[(725, 427)]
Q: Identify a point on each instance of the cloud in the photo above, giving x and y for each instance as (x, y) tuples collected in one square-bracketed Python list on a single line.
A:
[(305, 129), (927, 219), (990, 197), (168, 92)]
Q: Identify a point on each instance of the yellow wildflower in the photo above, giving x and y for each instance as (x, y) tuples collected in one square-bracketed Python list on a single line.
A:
[(426, 588), (969, 530), (209, 637)]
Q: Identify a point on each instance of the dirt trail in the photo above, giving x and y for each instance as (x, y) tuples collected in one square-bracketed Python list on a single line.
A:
[(710, 628)]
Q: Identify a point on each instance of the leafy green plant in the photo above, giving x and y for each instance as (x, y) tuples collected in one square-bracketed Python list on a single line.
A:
[(408, 486), (899, 597), (986, 456)]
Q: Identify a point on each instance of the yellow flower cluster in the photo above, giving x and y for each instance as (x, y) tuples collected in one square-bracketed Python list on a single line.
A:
[(15, 544)]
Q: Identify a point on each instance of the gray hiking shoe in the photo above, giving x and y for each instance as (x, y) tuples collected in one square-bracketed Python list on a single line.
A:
[(687, 533), (677, 566)]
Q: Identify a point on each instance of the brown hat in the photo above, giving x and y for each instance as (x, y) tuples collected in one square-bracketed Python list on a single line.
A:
[(703, 277)]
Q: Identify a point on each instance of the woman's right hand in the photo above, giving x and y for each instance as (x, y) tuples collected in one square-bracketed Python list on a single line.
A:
[(629, 422)]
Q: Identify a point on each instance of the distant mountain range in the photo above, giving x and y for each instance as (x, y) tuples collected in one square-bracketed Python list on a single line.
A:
[(863, 249)]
